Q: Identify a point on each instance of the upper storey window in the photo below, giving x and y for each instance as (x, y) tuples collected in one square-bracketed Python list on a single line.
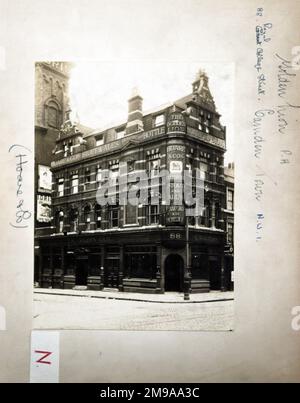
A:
[(159, 120), (74, 184), (99, 140), (230, 205), (60, 189), (153, 162)]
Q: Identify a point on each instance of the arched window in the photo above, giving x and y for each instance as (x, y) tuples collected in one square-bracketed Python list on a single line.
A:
[(53, 114), (59, 221), (73, 219), (87, 217), (98, 213)]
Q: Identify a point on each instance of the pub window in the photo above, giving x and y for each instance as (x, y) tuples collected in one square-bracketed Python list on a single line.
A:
[(87, 176), (113, 216), (99, 177), (230, 205), (153, 162), (60, 221), (66, 150), (207, 129), (218, 215), (153, 214), (74, 184), (73, 219), (71, 147), (204, 171), (113, 172), (98, 216), (159, 120), (60, 188), (200, 126), (130, 214), (153, 167), (114, 175), (230, 233), (205, 216), (140, 265), (99, 140), (87, 217)]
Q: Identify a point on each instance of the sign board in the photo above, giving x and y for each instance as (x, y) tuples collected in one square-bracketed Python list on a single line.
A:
[(45, 178), (43, 210)]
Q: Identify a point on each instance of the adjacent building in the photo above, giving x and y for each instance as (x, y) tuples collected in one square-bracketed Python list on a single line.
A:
[(150, 248)]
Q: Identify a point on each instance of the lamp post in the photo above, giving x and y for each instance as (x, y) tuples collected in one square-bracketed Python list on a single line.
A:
[(187, 269)]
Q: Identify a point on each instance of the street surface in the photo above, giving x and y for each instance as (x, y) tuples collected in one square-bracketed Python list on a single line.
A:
[(83, 312)]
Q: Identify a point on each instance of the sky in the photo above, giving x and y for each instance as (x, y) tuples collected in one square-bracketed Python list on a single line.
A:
[(99, 91)]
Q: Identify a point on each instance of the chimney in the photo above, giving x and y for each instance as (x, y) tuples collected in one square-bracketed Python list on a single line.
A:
[(135, 113)]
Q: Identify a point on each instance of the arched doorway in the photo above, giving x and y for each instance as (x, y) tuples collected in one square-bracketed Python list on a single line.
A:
[(174, 273)]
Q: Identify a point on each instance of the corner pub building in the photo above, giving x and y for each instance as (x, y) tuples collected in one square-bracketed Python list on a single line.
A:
[(144, 248)]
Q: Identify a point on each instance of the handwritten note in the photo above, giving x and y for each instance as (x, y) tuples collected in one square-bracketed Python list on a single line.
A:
[(22, 214), (44, 357), (275, 108)]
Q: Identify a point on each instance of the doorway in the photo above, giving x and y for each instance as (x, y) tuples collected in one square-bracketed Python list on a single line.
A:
[(174, 273), (214, 274), (81, 272), (111, 272)]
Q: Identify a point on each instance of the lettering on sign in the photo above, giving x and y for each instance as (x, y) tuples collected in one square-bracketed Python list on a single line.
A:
[(113, 145)]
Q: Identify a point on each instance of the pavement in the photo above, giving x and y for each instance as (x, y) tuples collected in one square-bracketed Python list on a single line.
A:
[(59, 311), (168, 297)]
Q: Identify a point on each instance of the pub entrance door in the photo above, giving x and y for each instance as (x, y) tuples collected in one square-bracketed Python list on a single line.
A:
[(81, 271), (174, 273), (214, 274), (111, 272)]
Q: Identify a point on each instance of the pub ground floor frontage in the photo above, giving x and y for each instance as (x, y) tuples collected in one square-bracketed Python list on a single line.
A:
[(151, 261)]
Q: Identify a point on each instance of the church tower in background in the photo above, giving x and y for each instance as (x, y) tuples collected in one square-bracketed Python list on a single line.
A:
[(51, 105)]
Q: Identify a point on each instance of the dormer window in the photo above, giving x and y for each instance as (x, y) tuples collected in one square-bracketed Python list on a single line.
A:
[(120, 133), (159, 120), (99, 140)]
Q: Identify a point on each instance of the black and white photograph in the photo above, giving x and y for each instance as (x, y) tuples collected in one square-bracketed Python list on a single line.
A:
[(134, 188), (149, 173)]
